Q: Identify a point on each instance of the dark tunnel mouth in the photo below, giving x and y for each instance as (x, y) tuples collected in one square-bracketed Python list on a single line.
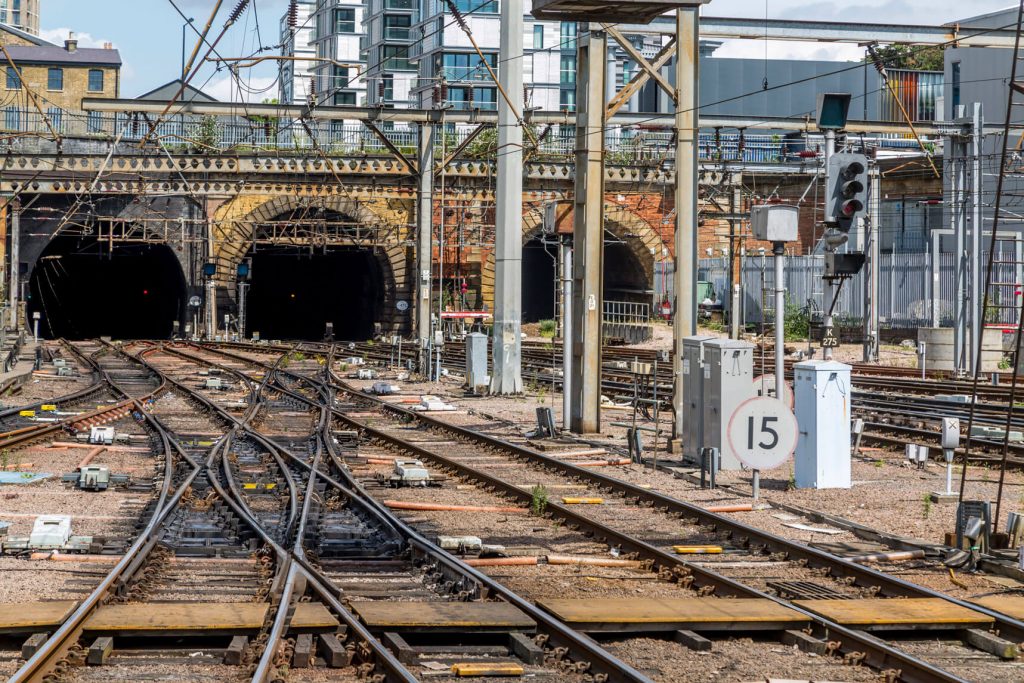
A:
[(624, 277), (82, 290), (294, 295), (539, 285)]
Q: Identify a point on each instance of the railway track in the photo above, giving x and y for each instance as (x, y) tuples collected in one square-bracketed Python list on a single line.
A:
[(782, 564)]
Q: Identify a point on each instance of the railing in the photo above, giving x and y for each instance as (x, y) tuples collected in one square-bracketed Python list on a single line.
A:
[(626, 312), (191, 133), (396, 32)]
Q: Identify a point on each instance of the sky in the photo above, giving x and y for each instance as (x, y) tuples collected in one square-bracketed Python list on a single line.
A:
[(148, 33)]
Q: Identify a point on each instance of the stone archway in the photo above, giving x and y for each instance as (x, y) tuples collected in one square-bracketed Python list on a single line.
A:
[(232, 231), (637, 234)]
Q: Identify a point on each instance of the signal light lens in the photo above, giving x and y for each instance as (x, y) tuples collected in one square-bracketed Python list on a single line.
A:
[(851, 207)]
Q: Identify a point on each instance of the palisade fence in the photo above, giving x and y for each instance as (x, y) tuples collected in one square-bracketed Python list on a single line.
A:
[(907, 298)]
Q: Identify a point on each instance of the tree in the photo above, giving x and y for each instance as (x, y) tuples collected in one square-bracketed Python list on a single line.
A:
[(913, 57)]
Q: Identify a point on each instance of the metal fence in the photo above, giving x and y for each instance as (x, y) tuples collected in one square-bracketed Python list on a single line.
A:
[(914, 290), (626, 312), (186, 132)]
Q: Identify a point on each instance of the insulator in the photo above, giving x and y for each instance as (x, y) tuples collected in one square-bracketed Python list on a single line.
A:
[(293, 14), (877, 60), (454, 11), (237, 12), (436, 95), (381, 88), (444, 91)]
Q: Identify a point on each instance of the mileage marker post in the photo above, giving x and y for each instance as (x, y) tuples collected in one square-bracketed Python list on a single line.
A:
[(762, 434)]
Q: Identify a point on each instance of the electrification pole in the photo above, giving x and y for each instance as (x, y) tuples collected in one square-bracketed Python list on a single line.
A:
[(15, 258), (684, 319), (424, 230), (506, 341), (588, 233)]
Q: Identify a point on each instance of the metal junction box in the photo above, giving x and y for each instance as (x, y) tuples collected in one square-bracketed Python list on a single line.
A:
[(822, 459), (476, 360), (728, 376), (775, 222), (693, 396)]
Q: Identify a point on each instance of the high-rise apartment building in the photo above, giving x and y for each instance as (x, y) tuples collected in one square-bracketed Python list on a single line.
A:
[(407, 48), (297, 40), (21, 14)]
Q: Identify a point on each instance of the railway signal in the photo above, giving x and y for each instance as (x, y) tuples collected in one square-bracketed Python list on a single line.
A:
[(848, 188)]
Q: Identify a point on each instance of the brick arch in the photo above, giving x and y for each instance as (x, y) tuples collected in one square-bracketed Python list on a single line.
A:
[(640, 237), (232, 232)]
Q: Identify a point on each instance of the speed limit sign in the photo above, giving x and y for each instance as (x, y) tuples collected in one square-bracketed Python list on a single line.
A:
[(763, 433)]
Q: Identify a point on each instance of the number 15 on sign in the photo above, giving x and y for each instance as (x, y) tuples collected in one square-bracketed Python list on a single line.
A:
[(762, 434)]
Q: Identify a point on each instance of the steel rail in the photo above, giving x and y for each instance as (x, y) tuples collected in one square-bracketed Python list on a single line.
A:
[(581, 646), (393, 670), (879, 654), (47, 656)]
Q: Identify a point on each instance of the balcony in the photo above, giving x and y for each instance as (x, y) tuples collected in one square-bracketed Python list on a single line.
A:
[(399, 4), (396, 33)]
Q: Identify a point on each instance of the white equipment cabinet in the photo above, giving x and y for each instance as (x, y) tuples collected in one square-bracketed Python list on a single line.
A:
[(693, 396), (728, 377), (822, 459)]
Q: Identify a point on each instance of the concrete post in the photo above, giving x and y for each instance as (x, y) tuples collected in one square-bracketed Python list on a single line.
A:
[(15, 275), (588, 234), (684, 320), (506, 343), (424, 230)]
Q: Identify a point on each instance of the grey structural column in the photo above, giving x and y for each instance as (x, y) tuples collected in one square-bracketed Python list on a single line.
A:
[(958, 207), (684, 319), (588, 233), (977, 315), (829, 289), (566, 253), (507, 375), (424, 248), (12, 295), (872, 335)]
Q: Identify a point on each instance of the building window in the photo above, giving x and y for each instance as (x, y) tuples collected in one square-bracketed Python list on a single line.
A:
[(396, 26), (343, 98), (95, 80), (538, 36), (486, 98), (567, 100), (55, 79), (56, 116), (956, 90), (398, 4), (389, 87), (567, 70), (339, 77), (344, 20), (13, 82), (567, 37), (396, 57), (461, 66), (12, 118), (477, 6), (459, 97)]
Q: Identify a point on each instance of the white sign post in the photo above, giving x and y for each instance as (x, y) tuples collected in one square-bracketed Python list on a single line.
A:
[(763, 435)]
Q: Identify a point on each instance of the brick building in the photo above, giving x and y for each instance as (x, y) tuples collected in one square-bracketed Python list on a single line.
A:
[(60, 76)]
